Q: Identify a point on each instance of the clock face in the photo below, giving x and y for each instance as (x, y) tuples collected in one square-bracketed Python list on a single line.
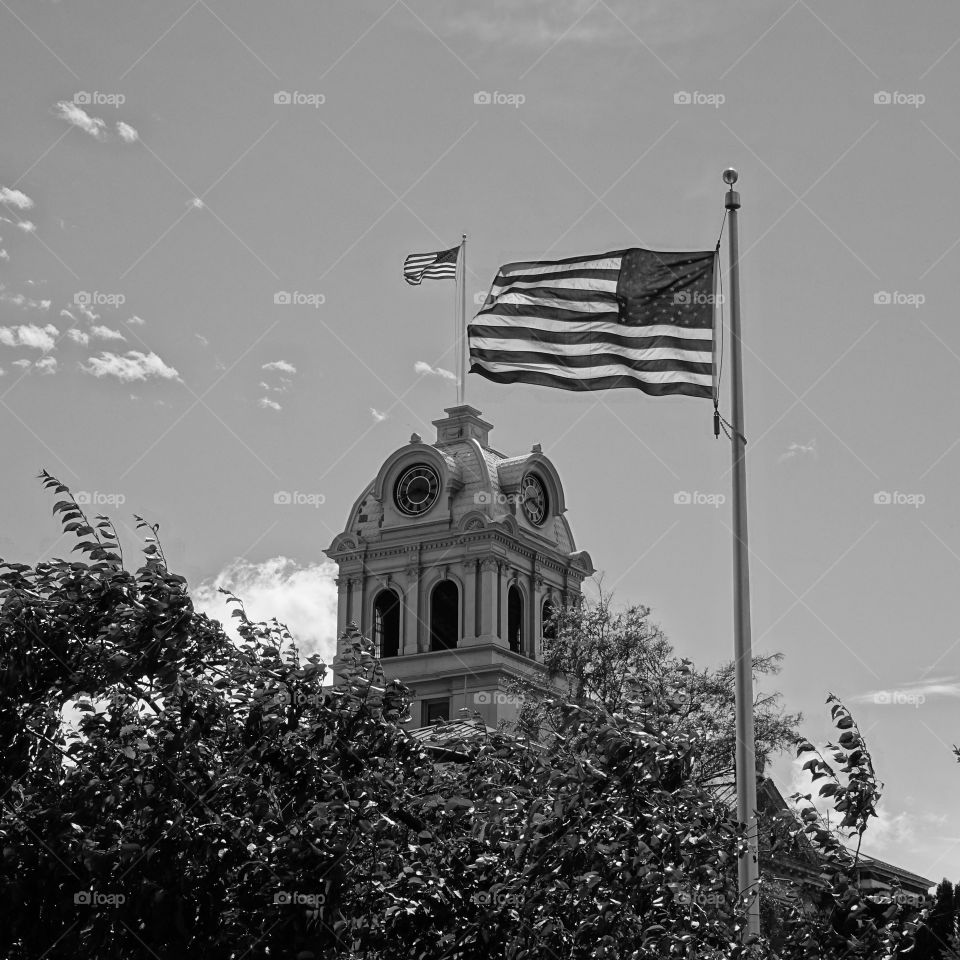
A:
[(533, 496), (417, 490)]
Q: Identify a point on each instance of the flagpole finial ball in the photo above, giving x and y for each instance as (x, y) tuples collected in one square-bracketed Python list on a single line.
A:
[(730, 176)]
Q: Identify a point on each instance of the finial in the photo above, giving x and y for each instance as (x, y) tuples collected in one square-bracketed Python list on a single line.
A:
[(730, 176), (536, 448), (416, 438)]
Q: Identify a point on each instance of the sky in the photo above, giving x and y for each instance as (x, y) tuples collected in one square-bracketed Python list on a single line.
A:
[(206, 207)]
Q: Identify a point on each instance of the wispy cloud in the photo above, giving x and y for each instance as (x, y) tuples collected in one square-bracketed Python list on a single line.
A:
[(29, 335), (100, 332), (77, 116), (280, 365), (15, 198), (27, 226), (269, 404), (19, 300), (127, 133), (136, 321), (912, 693), (46, 365), (799, 450), (378, 417), (134, 365), (78, 336), (204, 342), (424, 369)]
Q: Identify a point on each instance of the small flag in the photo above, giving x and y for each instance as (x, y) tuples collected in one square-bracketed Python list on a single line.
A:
[(632, 318), (433, 266)]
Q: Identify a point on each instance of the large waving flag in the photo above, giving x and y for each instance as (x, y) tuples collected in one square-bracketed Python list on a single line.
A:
[(632, 318)]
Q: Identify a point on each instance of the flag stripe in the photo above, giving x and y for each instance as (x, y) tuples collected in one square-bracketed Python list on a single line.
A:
[(598, 359), (548, 376), (659, 349), (432, 266), (651, 331)]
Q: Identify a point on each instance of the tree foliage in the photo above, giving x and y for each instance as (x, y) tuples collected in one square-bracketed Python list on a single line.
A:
[(168, 792)]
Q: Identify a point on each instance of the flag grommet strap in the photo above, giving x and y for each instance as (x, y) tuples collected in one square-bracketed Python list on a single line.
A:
[(633, 318)]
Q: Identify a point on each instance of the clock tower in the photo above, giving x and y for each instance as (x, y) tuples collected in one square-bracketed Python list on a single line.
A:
[(452, 560)]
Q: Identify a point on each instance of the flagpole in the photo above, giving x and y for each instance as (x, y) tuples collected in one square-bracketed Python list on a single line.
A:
[(462, 325), (746, 768)]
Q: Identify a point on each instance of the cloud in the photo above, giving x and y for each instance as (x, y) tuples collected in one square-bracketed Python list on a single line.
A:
[(15, 198), (134, 366), (424, 369), (269, 404), (78, 336), (126, 132), (87, 311), (282, 365), (136, 321), (105, 333), (18, 299), (27, 226), (66, 313), (912, 693), (29, 335), (197, 203), (799, 450), (46, 365), (23, 364), (80, 118), (302, 597), (3, 254), (378, 417), (203, 340)]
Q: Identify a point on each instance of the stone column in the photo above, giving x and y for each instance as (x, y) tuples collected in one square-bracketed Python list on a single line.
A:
[(489, 595), (411, 611), (468, 577)]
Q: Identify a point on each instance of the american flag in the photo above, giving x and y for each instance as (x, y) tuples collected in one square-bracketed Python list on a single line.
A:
[(433, 266), (632, 318)]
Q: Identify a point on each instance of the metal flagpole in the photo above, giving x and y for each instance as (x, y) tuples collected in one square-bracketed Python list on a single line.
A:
[(462, 327), (748, 865)]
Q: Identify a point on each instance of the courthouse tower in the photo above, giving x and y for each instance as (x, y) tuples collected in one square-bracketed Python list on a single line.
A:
[(452, 559)]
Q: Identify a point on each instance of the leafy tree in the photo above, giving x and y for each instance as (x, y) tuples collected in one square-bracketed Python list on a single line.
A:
[(215, 800), (596, 655), (937, 938)]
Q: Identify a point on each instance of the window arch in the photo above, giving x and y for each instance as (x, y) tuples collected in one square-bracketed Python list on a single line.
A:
[(444, 616), (515, 618), (386, 624)]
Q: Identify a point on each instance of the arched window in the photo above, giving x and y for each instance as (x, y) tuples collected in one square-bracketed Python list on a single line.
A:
[(515, 618), (444, 616), (548, 627), (386, 624)]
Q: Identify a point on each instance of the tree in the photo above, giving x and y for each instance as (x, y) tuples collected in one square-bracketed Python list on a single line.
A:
[(937, 938), (597, 655), (216, 800)]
